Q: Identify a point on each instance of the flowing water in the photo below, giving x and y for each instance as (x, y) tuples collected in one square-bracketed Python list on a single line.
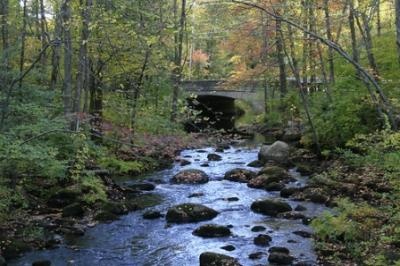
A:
[(132, 240)]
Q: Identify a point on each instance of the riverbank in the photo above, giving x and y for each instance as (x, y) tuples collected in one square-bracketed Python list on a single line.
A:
[(51, 210)]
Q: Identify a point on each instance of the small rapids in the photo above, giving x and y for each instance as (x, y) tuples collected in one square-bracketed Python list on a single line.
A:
[(132, 240)]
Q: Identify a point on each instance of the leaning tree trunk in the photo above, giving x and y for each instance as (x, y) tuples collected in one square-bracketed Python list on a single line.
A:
[(384, 103), (296, 72)]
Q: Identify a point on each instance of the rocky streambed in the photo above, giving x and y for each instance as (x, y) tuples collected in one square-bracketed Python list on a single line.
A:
[(215, 210)]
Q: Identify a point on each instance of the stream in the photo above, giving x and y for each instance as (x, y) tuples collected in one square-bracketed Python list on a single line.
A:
[(132, 240)]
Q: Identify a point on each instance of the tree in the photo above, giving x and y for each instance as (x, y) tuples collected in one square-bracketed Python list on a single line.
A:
[(398, 25), (178, 48)]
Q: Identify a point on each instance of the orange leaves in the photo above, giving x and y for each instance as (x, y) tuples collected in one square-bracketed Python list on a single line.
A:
[(200, 58)]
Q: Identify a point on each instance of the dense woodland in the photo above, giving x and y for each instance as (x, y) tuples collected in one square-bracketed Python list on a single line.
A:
[(96, 84)]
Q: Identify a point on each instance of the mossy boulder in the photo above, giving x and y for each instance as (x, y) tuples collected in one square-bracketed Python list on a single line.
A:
[(190, 176), (240, 175), (15, 248), (216, 259), (212, 230), (256, 163), (275, 173), (189, 213), (270, 207), (73, 210), (105, 216), (64, 197), (116, 208), (277, 152)]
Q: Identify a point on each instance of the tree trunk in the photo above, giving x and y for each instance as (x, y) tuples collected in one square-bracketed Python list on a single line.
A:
[(67, 84), (329, 37), (378, 18), (177, 73), (56, 56), (365, 30), (398, 26), (43, 32), (294, 66), (281, 58), (82, 62), (4, 31), (355, 51), (305, 15), (23, 39)]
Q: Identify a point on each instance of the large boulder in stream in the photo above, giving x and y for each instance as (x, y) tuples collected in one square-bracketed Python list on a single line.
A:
[(190, 176), (277, 152), (270, 207), (190, 213), (216, 259), (239, 175), (212, 230), (271, 178), (280, 256)]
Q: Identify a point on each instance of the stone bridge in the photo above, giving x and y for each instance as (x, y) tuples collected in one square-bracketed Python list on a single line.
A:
[(216, 102), (217, 88)]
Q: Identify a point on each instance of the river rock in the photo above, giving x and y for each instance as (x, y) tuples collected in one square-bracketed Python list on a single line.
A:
[(63, 198), (189, 213), (214, 157), (316, 195), (292, 215), (279, 249), (239, 175), (212, 230), (105, 216), (300, 208), (277, 152), (256, 163), (289, 191), (115, 208), (280, 258), (227, 248), (184, 162), (216, 259), (196, 195), (275, 173), (258, 228), (303, 234), (256, 255), (41, 263), (305, 263), (270, 207), (291, 133), (262, 240), (73, 210), (144, 186), (191, 176), (151, 215)]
